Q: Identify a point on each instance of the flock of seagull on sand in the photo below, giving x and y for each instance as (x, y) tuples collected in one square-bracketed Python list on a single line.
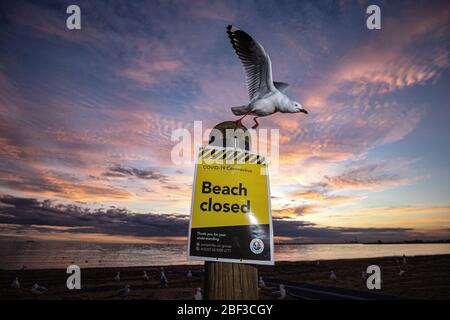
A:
[(36, 289), (280, 291), (279, 294), (123, 292), (276, 292), (400, 263)]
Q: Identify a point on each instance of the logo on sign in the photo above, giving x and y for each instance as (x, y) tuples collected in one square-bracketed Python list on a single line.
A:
[(257, 246)]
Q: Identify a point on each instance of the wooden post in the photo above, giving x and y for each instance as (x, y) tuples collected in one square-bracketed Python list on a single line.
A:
[(230, 281)]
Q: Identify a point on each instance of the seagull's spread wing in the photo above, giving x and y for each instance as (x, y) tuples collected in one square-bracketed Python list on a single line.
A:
[(281, 86), (256, 62)]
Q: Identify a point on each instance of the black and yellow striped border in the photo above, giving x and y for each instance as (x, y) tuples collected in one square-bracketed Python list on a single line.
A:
[(229, 156)]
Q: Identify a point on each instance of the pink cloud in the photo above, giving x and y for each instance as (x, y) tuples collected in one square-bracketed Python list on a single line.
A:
[(149, 73), (386, 57)]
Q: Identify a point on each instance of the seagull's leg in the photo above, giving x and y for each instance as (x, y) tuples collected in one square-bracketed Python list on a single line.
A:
[(239, 121), (256, 123)]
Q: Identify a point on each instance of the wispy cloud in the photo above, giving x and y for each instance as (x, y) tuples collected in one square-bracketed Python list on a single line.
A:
[(148, 73), (118, 171), (368, 176)]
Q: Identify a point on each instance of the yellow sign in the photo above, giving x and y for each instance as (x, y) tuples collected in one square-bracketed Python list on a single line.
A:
[(231, 213)]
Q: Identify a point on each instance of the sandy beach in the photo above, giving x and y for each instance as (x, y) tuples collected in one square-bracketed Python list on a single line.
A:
[(426, 277)]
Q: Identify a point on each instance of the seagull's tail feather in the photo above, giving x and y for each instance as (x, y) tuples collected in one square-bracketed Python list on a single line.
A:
[(239, 111)]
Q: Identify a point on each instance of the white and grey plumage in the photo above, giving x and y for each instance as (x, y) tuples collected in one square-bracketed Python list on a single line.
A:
[(37, 289), (124, 291), (333, 276), (163, 279), (266, 96), (280, 294), (15, 284), (198, 294), (261, 283)]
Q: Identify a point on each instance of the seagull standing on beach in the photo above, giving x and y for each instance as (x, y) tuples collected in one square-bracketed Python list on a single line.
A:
[(280, 294), (37, 289), (363, 276), (266, 96), (198, 294), (123, 292), (333, 276), (117, 277), (261, 283), (145, 276), (163, 280), (15, 284)]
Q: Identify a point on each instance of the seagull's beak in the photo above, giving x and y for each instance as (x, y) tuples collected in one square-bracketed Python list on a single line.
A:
[(304, 111)]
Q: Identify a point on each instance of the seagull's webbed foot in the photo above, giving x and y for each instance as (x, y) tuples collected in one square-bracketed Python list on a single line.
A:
[(256, 123), (239, 121)]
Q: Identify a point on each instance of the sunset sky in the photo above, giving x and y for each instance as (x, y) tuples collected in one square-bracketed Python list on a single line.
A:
[(86, 116)]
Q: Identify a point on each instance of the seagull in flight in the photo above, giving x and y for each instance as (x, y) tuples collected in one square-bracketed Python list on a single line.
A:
[(266, 96)]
